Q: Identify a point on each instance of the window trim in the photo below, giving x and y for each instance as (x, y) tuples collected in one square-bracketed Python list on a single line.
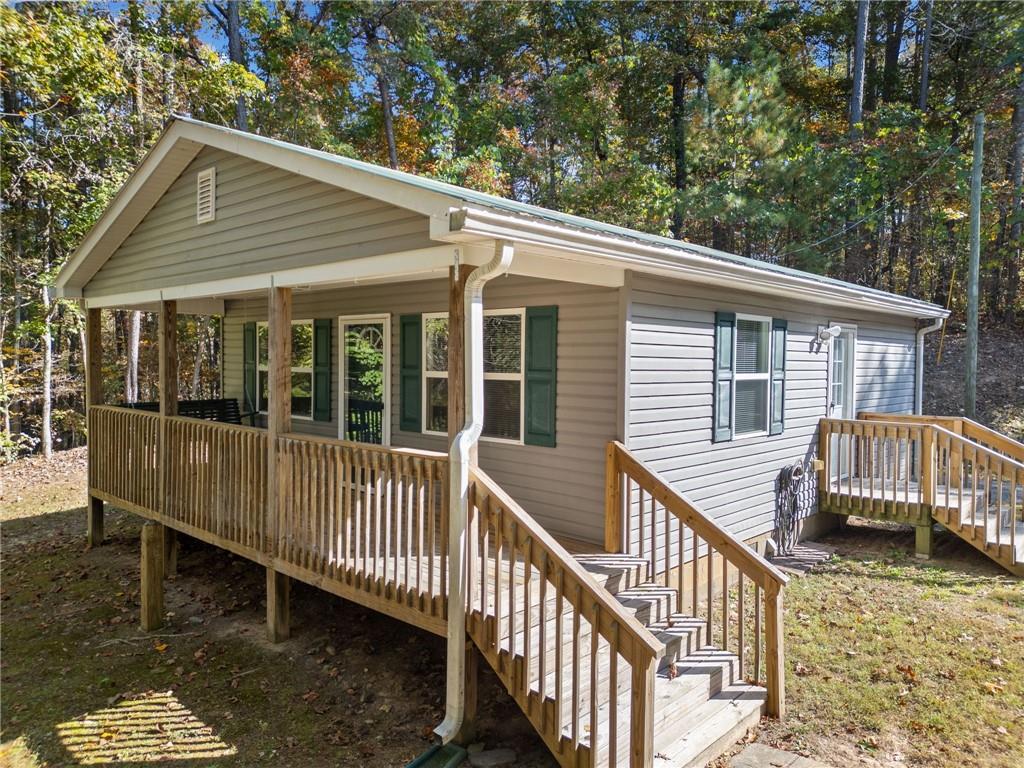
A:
[(520, 312), (766, 377), (344, 320), (292, 369)]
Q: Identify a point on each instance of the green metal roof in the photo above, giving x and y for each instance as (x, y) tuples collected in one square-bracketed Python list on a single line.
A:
[(496, 203)]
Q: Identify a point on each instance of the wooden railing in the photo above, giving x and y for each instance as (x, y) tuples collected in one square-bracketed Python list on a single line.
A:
[(370, 517), (215, 480), (566, 649), (712, 571), (124, 455), (958, 425), (876, 467)]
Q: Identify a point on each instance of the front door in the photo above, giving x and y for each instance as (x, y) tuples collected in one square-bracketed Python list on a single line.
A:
[(841, 396), (365, 352)]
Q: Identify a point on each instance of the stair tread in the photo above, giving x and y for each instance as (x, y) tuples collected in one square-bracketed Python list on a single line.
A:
[(719, 721)]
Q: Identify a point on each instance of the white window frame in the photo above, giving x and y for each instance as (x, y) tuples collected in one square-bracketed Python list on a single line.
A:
[(766, 377), (520, 377), (344, 320), (291, 369)]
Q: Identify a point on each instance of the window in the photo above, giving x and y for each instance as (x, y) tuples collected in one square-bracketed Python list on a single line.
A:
[(503, 374), (750, 405), (302, 368), (749, 376)]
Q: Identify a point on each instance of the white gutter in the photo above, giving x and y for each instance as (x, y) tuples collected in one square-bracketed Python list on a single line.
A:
[(693, 262), (919, 374), (459, 455)]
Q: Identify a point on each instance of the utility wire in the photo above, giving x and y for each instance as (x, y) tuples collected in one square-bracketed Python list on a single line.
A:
[(875, 212)]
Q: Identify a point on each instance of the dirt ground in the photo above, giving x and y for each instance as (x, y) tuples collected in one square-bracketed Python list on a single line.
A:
[(891, 662), (81, 683), (1000, 392)]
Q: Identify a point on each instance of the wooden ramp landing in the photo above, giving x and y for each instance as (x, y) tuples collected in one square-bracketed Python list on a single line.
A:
[(920, 470)]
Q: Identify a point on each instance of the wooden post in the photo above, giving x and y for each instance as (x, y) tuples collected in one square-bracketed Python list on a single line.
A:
[(94, 396), (171, 544), (279, 422), (168, 378), (612, 501), (641, 728), (151, 615), (775, 658)]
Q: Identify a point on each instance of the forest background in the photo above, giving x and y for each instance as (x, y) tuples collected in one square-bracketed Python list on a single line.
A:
[(830, 136)]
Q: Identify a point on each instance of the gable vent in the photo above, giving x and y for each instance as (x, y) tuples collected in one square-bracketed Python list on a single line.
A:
[(206, 195)]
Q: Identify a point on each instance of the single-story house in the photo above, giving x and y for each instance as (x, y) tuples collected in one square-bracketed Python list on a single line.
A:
[(590, 419)]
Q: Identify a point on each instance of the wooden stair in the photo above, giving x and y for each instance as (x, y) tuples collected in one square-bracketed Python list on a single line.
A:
[(984, 533)]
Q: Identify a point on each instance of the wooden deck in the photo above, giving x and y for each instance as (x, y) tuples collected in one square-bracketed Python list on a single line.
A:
[(920, 470), (582, 639)]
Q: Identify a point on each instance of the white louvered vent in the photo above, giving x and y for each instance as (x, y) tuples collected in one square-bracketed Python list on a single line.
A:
[(206, 195)]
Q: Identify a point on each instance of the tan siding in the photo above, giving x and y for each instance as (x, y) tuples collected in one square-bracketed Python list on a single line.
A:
[(267, 219), (563, 487), (671, 347)]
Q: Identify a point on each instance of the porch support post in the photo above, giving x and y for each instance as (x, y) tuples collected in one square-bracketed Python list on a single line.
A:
[(167, 341), (456, 419), (279, 422), (151, 616), (93, 396)]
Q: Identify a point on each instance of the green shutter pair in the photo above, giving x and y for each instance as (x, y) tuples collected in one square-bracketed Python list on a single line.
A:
[(540, 377), (322, 350), (724, 379)]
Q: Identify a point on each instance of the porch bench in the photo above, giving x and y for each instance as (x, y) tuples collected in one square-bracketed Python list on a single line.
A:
[(223, 409)]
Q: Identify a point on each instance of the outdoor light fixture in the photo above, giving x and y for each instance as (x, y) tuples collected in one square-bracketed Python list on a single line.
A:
[(824, 334)]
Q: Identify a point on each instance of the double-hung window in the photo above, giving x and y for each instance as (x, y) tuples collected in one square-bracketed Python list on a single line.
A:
[(749, 376), (503, 374), (301, 368)]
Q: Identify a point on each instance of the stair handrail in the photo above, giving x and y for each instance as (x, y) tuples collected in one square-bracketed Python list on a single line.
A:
[(621, 461), (623, 633), (745, 559), (959, 425)]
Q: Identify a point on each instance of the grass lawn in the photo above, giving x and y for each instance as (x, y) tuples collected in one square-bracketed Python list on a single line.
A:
[(894, 661), (890, 661)]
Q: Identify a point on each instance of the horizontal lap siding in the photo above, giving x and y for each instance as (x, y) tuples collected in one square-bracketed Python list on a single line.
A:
[(563, 487), (266, 219), (671, 347)]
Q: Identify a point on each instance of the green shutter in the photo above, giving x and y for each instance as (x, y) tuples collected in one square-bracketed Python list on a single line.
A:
[(322, 346), (724, 385), (778, 392), (541, 375), (410, 374), (249, 367)]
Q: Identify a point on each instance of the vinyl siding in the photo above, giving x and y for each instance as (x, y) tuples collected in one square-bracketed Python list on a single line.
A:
[(266, 218), (562, 487), (671, 347)]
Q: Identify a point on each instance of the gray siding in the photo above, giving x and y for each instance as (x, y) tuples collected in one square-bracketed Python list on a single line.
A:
[(266, 218), (563, 487), (671, 344)]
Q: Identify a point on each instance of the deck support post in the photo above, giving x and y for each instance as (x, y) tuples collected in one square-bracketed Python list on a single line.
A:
[(94, 396), (279, 616), (151, 615), (167, 341), (171, 544), (924, 536), (279, 422)]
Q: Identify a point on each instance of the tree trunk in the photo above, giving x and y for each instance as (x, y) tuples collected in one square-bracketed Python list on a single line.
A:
[(926, 49), (138, 97), (860, 45), (131, 370), (896, 16), (679, 148), (237, 55), (46, 430), (200, 353)]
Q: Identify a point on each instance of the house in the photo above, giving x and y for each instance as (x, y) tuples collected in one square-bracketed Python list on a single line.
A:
[(589, 421)]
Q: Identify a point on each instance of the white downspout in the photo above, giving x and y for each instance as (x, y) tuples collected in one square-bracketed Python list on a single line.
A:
[(458, 484), (919, 378)]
